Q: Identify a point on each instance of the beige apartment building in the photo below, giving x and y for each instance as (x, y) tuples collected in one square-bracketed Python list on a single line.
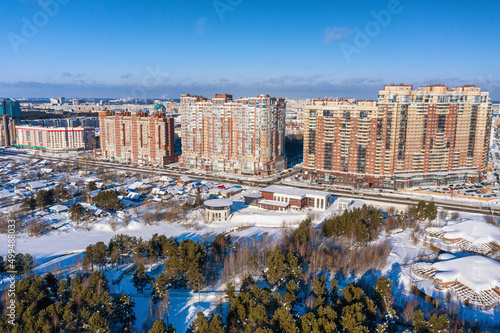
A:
[(433, 135), (242, 136)]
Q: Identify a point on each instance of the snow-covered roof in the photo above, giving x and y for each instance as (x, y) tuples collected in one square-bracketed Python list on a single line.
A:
[(293, 191), (6, 194), (446, 256), (218, 203), (209, 184), (256, 195), (166, 179), (58, 208), (133, 196), (475, 231), (274, 203), (185, 178), (476, 272), (342, 200), (135, 186), (36, 185)]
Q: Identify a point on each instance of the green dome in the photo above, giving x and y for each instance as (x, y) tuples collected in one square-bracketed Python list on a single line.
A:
[(159, 106)]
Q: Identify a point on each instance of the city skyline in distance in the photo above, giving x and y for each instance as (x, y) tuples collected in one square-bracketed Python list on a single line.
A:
[(290, 49)]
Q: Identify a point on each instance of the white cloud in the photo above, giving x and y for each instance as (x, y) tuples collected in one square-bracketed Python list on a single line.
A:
[(336, 33), (200, 25)]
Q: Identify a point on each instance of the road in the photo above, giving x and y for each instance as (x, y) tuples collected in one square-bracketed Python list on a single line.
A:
[(383, 197)]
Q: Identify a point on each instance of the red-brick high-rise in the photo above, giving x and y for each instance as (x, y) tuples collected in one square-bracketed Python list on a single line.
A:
[(137, 138)]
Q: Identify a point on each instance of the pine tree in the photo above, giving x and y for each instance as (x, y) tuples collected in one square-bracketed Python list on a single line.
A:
[(284, 321), (140, 278), (276, 267), (158, 327), (124, 312), (29, 203), (431, 211), (200, 324), (98, 324), (76, 211), (419, 324), (216, 324)]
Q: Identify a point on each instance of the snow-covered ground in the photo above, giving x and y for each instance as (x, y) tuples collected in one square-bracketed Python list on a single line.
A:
[(61, 250)]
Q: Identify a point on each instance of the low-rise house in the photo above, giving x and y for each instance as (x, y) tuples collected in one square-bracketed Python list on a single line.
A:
[(184, 180), (134, 196), (166, 180), (56, 209), (176, 190), (135, 186), (35, 185)]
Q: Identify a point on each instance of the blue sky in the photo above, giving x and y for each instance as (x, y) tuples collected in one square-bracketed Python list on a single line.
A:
[(123, 48)]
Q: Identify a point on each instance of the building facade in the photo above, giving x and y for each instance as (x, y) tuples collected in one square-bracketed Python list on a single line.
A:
[(276, 197), (433, 135), (139, 138), (7, 130), (55, 138), (243, 136), (10, 107)]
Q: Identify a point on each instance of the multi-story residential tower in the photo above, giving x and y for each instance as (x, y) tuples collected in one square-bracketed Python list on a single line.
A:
[(55, 138), (10, 107), (7, 130), (138, 138), (430, 136), (243, 136)]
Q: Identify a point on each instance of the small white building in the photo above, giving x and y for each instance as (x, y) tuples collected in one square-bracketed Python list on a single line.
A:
[(56, 209), (342, 204), (218, 210)]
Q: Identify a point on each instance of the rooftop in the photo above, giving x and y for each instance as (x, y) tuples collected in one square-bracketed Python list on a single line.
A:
[(476, 272), (299, 192), (475, 231), (218, 203)]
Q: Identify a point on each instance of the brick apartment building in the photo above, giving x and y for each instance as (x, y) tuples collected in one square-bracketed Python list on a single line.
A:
[(433, 135), (242, 136), (7, 130), (137, 138)]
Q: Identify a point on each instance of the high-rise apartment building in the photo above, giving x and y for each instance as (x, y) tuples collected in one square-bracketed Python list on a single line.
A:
[(7, 130), (433, 135), (137, 138), (243, 136), (10, 107)]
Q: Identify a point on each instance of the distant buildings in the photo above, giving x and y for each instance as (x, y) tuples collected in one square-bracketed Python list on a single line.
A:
[(66, 122), (55, 138), (242, 136), (433, 135), (138, 138)]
